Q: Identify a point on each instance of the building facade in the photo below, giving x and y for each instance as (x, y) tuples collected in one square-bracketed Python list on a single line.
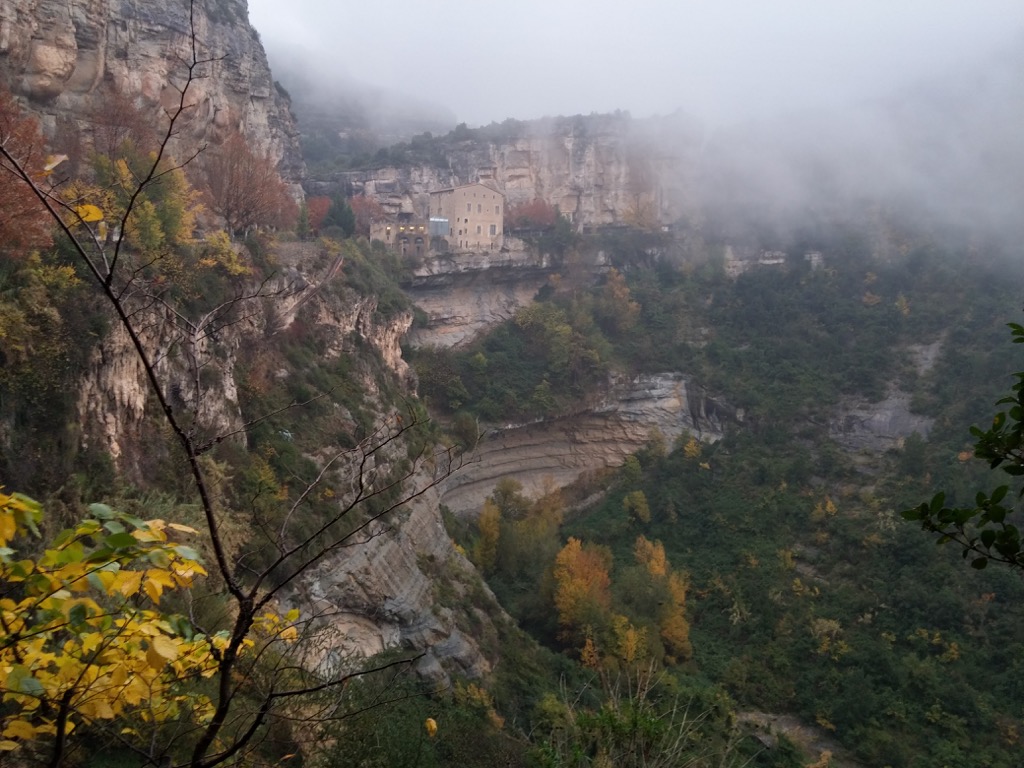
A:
[(475, 216), (405, 234)]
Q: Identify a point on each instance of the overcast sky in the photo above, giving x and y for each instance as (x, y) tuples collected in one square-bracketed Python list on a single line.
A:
[(721, 60)]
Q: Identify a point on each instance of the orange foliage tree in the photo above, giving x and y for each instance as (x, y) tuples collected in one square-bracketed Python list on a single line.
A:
[(244, 188), (367, 210), (317, 208), (24, 222), (615, 310), (536, 214), (673, 627), (485, 550), (582, 586)]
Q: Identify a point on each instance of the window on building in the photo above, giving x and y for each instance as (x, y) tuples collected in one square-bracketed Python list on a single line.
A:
[(497, 209), (479, 208), (469, 207), (478, 229), (494, 229)]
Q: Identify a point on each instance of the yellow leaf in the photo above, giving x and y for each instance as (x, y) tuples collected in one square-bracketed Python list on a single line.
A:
[(431, 725), (19, 729), (8, 527), (136, 691), (52, 161), (154, 659), (118, 676), (98, 708), (89, 212), (128, 582), (153, 589), (8, 746), (165, 646), (181, 528), (162, 577)]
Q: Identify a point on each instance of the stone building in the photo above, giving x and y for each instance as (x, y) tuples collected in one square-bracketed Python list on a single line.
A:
[(473, 215), (405, 234)]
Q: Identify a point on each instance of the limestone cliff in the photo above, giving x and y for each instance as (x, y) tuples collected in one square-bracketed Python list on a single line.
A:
[(382, 594), (564, 449), (469, 294), (67, 59), (599, 170)]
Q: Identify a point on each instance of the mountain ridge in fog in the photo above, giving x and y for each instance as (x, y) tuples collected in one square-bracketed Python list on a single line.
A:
[(945, 149)]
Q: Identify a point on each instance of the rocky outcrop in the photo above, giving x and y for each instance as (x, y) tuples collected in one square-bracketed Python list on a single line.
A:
[(563, 449), (115, 397), (880, 426), (884, 425), (66, 59), (379, 594), (465, 294), (383, 596), (598, 169)]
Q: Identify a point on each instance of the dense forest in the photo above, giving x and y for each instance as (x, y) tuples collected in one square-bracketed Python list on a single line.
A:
[(772, 564)]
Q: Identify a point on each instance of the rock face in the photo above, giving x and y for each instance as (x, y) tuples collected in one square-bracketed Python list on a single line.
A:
[(599, 170), (464, 295), (65, 59), (564, 449), (884, 425), (377, 595), (879, 426), (114, 395), (381, 597)]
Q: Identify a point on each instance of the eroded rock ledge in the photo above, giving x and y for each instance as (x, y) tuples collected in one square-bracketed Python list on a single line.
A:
[(594, 438)]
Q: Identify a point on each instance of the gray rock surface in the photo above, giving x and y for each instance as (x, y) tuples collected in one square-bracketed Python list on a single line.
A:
[(67, 58), (597, 437)]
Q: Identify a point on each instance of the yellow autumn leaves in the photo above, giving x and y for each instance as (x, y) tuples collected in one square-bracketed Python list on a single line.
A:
[(583, 600), (82, 635)]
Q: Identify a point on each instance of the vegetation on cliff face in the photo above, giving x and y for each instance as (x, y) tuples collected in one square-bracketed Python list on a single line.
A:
[(89, 656)]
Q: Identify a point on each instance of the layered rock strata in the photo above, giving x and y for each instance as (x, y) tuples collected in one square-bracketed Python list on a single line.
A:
[(562, 450)]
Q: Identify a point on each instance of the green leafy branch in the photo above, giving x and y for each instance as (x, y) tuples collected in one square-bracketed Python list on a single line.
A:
[(986, 531)]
